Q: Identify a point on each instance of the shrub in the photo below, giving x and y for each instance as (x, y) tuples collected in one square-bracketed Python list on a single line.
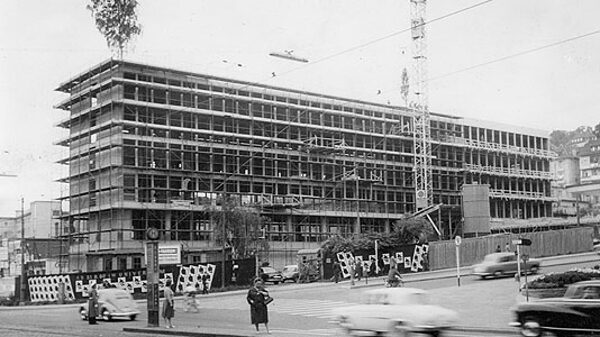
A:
[(560, 280)]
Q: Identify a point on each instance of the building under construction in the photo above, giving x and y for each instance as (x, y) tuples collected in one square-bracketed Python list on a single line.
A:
[(154, 147)]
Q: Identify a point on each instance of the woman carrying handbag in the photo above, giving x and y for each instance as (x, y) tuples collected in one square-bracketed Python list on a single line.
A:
[(258, 298)]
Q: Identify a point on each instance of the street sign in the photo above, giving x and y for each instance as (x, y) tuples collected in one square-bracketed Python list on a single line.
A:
[(458, 240), (522, 242)]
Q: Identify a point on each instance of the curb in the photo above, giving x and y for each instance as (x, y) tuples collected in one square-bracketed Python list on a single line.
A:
[(485, 330), (164, 331)]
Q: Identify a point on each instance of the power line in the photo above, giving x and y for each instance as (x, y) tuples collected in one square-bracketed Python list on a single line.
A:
[(389, 36), (525, 52)]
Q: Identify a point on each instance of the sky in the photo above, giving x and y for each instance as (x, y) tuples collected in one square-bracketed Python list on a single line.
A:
[(479, 64)]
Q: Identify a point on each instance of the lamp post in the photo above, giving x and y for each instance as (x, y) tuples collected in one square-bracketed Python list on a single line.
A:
[(23, 270)]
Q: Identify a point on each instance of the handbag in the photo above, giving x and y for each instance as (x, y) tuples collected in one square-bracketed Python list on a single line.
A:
[(268, 299)]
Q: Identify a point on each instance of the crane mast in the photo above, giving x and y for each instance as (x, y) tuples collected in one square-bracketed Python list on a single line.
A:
[(422, 133)]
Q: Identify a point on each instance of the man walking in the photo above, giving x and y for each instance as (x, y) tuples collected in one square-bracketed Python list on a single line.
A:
[(337, 270)]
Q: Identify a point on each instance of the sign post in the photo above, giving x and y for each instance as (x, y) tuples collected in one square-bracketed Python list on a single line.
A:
[(152, 271), (521, 242), (458, 241)]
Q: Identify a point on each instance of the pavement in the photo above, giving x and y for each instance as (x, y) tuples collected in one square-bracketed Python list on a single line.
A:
[(204, 331)]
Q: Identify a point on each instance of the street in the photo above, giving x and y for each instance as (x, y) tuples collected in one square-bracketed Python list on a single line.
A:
[(298, 309)]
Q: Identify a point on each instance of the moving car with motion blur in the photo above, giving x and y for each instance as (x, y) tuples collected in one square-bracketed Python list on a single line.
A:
[(394, 311), (113, 303), (290, 272), (576, 313), (499, 264)]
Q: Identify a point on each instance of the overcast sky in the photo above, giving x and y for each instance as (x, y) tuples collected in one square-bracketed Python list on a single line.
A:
[(43, 43)]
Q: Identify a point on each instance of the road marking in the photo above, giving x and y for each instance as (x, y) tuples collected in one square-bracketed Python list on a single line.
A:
[(312, 332), (308, 308)]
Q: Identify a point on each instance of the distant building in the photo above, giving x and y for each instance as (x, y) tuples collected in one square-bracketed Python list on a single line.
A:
[(43, 227), (588, 189)]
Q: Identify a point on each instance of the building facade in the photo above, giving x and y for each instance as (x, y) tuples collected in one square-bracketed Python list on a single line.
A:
[(588, 188), (155, 147)]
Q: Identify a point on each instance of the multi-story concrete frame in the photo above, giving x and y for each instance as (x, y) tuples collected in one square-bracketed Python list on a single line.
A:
[(151, 146)]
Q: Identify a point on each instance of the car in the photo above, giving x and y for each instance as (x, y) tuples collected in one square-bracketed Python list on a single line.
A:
[(113, 303), (269, 274), (576, 313), (290, 272), (596, 245), (499, 264), (391, 311)]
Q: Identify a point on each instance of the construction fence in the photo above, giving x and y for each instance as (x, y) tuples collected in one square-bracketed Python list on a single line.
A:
[(442, 254)]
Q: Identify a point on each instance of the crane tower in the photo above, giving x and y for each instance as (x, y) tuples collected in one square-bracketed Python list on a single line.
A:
[(419, 104)]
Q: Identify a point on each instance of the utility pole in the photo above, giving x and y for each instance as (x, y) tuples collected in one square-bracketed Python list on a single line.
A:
[(23, 270), (223, 256)]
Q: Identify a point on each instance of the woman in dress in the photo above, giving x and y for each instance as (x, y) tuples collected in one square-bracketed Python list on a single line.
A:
[(257, 295), (93, 305), (168, 305)]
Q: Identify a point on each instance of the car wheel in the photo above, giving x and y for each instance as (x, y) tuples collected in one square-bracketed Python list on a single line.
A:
[(400, 329), (106, 315), (275, 282), (83, 314), (133, 317), (531, 327)]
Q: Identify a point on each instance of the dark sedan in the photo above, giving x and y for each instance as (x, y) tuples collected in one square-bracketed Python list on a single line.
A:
[(576, 313), (268, 274)]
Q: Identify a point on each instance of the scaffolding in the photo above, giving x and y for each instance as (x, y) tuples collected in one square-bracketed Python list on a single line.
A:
[(156, 147)]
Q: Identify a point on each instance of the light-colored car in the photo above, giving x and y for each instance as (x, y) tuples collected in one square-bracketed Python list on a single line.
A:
[(394, 311), (113, 303), (499, 264), (290, 272)]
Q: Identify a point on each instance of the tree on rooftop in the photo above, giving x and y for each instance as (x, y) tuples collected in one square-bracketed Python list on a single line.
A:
[(117, 21)]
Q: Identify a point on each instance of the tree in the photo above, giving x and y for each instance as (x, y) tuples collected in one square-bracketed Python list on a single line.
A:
[(238, 228), (117, 21), (404, 87), (407, 231), (404, 232)]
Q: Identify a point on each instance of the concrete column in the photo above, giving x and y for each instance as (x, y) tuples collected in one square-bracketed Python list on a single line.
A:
[(168, 216), (290, 228), (386, 226)]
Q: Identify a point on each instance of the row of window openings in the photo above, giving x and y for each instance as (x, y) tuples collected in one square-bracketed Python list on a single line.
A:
[(228, 105), (317, 118)]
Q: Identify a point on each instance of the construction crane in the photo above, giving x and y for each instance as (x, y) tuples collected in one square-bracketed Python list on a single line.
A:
[(419, 105)]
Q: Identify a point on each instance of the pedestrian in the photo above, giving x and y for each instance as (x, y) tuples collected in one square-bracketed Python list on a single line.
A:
[(359, 270), (351, 271), (189, 293), (168, 305), (507, 248), (205, 285), (337, 270), (498, 250), (258, 298), (394, 277), (373, 267), (93, 305)]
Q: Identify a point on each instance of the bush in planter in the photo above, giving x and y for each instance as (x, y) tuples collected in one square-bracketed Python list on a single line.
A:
[(561, 280)]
